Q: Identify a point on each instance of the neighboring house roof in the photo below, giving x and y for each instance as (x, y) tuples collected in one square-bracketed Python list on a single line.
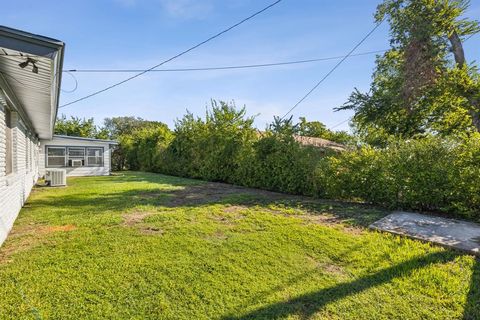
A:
[(85, 139), (34, 96), (319, 142), (314, 142)]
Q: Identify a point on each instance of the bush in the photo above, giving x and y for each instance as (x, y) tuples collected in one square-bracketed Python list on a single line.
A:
[(145, 147), (277, 162), (429, 174), (210, 149)]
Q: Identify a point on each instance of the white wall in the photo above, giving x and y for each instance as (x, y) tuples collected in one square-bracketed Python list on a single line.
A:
[(79, 171), (15, 188)]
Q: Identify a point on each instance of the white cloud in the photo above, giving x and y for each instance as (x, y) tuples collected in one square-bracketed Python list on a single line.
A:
[(188, 9)]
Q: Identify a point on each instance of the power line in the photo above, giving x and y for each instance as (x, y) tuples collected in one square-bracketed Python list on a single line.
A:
[(76, 83), (339, 124), (332, 70), (469, 37), (272, 64), (175, 56)]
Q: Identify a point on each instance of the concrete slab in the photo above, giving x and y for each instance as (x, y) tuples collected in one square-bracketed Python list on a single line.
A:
[(451, 233)]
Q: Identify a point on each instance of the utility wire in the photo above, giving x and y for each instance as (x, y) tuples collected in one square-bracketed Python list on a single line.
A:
[(339, 124), (175, 56), (469, 37), (332, 70), (272, 64)]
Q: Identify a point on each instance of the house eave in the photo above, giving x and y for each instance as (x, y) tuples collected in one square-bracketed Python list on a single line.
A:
[(34, 96), (85, 139)]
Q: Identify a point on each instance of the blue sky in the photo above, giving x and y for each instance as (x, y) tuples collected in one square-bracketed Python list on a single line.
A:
[(141, 33)]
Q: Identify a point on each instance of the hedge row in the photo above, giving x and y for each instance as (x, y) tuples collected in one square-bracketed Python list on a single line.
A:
[(429, 174)]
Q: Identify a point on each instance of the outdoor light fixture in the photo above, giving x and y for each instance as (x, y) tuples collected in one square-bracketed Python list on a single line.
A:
[(23, 64), (27, 62)]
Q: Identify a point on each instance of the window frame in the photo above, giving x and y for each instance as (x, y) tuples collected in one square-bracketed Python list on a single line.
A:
[(9, 168), (67, 156), (47, 156), (27, 153), (70, 157), (102, 164)]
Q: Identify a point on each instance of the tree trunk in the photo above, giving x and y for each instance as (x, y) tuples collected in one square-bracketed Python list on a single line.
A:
[(459, 54)]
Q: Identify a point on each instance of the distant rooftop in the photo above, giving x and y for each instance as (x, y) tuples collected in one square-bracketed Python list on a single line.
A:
[(315, 142), (319, 142)]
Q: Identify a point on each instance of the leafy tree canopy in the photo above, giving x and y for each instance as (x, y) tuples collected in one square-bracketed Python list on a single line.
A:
[(78, 127), (306, 128), (118, 126), (418, 86)]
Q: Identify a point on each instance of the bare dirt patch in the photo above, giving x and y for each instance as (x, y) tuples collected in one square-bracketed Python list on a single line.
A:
[(234, 209), (35, 230), (151, 231), (328, 267), (26, 237), (231, 215), (333, 269), (136, 217), (228, 221), (216, 236), (212, 192)]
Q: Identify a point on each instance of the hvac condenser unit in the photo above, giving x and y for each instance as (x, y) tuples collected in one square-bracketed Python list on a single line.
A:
[(56, 177)]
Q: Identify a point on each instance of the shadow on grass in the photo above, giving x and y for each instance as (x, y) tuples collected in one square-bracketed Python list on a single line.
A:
[(307, 305), (472, 306), (174, 192)]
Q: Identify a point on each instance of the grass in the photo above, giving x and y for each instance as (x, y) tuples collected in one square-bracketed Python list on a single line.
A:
[(148, 246)]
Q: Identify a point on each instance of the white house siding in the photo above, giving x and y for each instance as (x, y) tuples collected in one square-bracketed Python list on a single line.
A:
[(15, 188), (79, 171)]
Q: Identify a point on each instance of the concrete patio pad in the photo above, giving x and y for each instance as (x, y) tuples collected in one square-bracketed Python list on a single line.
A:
[(451, 233)]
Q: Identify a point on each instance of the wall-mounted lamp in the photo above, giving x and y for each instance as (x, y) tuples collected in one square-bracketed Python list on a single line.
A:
[(27, 62)]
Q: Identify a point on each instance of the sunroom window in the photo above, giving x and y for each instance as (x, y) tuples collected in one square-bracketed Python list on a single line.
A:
[(95, 157), (56, 157), (76, 157)]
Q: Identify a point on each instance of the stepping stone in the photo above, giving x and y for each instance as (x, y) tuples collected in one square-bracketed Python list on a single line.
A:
[(460, 235)]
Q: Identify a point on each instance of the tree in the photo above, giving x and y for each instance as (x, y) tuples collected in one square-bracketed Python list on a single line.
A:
[(312, 128), (318, 130), (124, 129), (76, 127), (118, 126), (418, 87)]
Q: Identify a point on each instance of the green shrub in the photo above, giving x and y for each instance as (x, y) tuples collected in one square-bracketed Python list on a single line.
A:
[(428, 174), (355, 175), (144, 148), (210, 149), (277, 162)]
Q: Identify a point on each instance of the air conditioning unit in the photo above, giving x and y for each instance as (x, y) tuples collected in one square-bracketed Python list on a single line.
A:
[(77, 163), (56, 177)]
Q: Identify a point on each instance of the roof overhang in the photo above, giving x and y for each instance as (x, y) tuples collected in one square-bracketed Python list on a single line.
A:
[(34, 95), (59, 136)]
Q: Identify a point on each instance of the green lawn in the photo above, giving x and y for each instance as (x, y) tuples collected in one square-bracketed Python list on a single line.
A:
[(147, 246)]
